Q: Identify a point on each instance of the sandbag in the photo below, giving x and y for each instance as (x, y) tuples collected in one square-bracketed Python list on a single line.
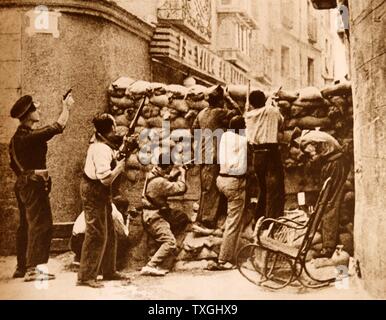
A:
[(141, 122), (284, 104), (138, 88), (239, 91), (192, 114), (309, 122), (119, 86), (179, 123), (122, 120), (132, 175), (320, 113), (322, 103), (121, 130), (197, 105), (340, 103), (349, 197), (155, 122), (160, 101), (310, 94), (297, 112), (196, 93), (347, 240), (146, 112), (177, 91), (169, 114), (157, 88), (115, 111), (122, 103), (337, 90), (288, 96), (155, 111), (133, 163), (179, 105)]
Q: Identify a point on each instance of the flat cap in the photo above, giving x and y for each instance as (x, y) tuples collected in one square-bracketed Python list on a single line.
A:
[(22, 106)]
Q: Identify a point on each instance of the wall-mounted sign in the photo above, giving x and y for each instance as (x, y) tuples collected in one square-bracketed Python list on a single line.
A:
[(177, 47), (41, 20)]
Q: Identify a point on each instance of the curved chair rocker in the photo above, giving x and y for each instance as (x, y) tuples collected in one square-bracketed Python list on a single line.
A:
[(274, 259)]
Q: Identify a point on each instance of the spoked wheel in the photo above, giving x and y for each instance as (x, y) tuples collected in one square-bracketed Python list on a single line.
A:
[(279, 270), (250, 263)]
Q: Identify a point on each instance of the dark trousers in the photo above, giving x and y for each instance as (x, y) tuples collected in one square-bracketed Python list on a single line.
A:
[(269, 170), (338, 171), (212, 202), (99, 246), (34, 234), (76, 244), (160, 230)]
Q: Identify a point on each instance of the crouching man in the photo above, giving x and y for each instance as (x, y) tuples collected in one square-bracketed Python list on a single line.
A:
[(121, 222), (157, 216), (322, 148)]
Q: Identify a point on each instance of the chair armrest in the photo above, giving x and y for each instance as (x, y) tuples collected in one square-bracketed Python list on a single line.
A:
[(295, 222), (282, 223)]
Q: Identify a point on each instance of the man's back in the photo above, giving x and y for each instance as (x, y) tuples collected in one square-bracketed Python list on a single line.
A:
[(263, 125)]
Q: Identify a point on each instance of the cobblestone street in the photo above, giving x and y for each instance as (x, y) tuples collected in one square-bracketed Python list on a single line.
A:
[(220, 285)]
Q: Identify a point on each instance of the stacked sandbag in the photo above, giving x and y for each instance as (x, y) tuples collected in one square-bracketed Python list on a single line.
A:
[(347, 210), (329, 110), (171, 104), (178, 104)]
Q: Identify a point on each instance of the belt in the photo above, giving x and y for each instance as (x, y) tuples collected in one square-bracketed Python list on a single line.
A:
[(38, 172), (224, 175), (264, 146)]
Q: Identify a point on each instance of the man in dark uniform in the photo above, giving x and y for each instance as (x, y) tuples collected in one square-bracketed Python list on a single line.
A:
[(215, 117), (28, 150)]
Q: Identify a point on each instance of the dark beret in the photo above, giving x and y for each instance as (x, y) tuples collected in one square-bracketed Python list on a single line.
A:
[(22, 106)]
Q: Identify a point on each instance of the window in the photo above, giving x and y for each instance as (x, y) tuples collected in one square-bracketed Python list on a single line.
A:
[(310, 72), (287, 13), (285, 61)]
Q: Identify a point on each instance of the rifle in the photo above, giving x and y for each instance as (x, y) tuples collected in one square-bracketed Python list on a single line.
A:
[(274, 96), (124, 146)]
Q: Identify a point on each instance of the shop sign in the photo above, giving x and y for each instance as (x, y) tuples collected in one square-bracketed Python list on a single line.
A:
[(180, 47)]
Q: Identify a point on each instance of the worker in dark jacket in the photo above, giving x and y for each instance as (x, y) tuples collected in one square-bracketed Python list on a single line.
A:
[(157, 216), (28, 150), (321, 147), (213, 120)]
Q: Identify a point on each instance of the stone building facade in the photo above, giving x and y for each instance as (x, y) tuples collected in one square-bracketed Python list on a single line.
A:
[(84, 45), (365, 29), (88, 44)]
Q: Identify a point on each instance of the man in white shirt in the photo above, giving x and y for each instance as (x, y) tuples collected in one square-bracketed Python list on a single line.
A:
[(119, 214), (100, 171), (231, 182), (263, 124)]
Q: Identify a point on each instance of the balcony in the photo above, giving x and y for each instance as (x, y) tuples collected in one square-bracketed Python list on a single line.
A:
[(236, 57), (241, 8), (191, 16)]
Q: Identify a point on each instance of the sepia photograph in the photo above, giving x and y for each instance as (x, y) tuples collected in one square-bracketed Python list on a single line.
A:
[(183, 150)]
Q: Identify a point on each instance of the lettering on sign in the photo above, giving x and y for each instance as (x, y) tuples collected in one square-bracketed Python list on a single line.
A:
[(196, 55), (41, 20)]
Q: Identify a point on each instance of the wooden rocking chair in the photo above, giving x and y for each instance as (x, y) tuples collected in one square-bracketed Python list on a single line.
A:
[(273, 259)]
